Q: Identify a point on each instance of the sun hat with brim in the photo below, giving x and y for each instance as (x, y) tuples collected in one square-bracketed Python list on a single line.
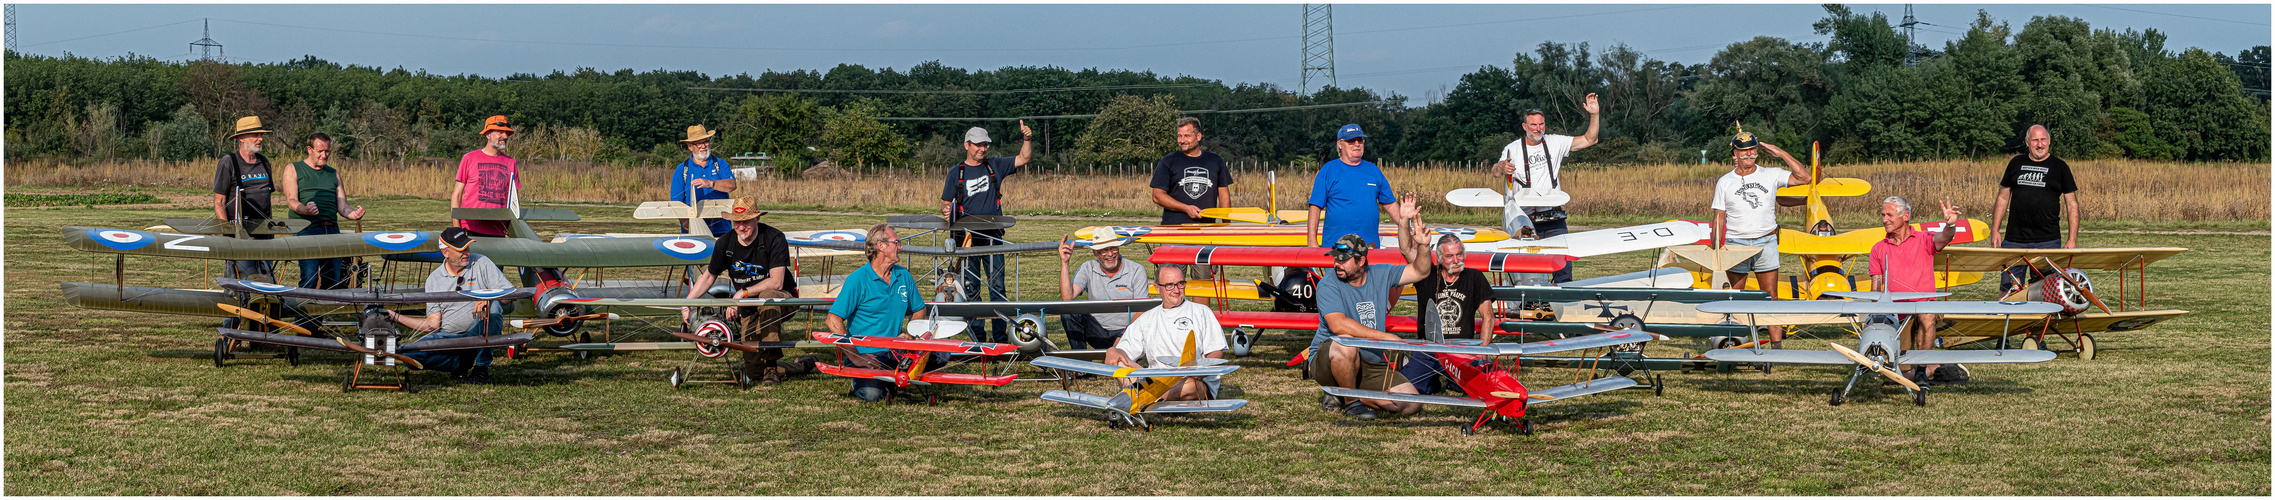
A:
[(1102, 240), (697, 132), (248, 125), (746, 208), (495, 123)]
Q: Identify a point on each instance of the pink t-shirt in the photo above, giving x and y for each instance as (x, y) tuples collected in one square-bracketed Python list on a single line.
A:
[(488, 185), (1908, 266)]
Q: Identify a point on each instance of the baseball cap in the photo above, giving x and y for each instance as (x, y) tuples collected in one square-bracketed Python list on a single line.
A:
[(1350, 245), (1349, 131), (976, 135), (457, 238)]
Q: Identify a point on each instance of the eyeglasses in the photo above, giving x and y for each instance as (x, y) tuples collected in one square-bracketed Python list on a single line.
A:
[(1748, 157), (1166, 286), (500, 123), (1529, 111)]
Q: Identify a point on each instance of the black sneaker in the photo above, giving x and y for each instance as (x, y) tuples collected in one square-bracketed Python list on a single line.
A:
[(479, 375), (1950, 374), (1359, 411), (1329, 403)]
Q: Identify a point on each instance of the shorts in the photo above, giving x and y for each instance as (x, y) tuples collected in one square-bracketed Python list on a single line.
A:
[(1371, 375), (1762, 262)]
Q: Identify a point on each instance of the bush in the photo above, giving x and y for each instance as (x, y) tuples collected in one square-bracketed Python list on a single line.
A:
[(183, 138)]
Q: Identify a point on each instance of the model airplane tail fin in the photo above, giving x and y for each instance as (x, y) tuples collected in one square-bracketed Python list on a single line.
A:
[(1186, 359)]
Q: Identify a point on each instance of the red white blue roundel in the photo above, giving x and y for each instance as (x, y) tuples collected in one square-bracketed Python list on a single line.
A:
[(1131, 231), (121, 239), (1462, 232), (839, 236), (396, 241), (486, 293), (685, 248), (267, 287)]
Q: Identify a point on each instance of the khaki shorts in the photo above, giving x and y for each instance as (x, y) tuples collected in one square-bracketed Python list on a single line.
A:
[(1371, 375)]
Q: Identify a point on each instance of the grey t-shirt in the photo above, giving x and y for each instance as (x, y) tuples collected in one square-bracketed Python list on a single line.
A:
[(1368, 304), (480, 274), (1131, 283)]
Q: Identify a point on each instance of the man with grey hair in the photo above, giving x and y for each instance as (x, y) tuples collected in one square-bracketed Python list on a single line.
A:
[(1904, 262), (1110, 277), (2035, 194), (1189, 179), (975, 187), (1454, 297), (1536, 160)]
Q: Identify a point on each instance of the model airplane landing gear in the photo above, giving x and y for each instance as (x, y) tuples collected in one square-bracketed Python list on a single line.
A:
[(2085, 347), (1242, 341), (220, 351)]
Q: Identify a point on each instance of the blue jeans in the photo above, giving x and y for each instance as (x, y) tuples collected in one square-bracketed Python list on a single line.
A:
[(1083, 329), (990, 266), (2020, 275), (457, 360), (325, 274)]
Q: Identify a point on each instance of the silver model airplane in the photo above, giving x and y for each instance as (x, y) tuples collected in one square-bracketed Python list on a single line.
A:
[(1877, 347)]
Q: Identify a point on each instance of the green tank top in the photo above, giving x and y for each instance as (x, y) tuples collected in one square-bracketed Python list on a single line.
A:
[(318, 186)]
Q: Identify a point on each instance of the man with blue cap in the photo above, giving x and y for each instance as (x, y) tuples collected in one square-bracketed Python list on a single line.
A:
[(1350, 191)]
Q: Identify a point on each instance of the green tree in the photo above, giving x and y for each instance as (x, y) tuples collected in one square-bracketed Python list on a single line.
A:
[(183, 137), (852, 137), (1776, 87), (778, 124), (1130, 129), (2200, 107)]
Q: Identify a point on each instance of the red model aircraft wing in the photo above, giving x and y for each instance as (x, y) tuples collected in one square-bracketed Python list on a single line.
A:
[(1304, 321), (1316, 257), (965, 379), (890, 376), (948, 346)]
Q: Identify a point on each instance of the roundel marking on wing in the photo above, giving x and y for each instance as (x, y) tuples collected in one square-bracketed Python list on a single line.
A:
[(267, 287), (685, 248), (1131, 231), (121, 239), (396, 241), (486, 293), (1457, 231), (839, 236)]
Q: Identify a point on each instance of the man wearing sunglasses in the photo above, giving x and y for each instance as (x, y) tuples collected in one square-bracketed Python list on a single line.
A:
[(1356, 304), (1745, 212), (1159, 334), (1536, 161), (1348, 191)]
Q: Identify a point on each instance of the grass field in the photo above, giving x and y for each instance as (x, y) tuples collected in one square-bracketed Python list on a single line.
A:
[(101, 403)]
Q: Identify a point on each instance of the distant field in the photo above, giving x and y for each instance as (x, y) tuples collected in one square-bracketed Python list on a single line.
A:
[(108, 403)]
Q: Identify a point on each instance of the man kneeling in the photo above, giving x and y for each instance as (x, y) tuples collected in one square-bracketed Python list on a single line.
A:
[(1159, 334), (460, 270)]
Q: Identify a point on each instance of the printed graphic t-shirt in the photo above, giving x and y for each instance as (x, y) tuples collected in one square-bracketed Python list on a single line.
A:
[(490, 183), (1750, 201), (1190, 180), (2034, 207)]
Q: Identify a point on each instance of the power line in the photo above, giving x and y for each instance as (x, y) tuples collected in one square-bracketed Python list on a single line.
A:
[(2176, 15), (1095, 115), (113, 33), (1012, 91)]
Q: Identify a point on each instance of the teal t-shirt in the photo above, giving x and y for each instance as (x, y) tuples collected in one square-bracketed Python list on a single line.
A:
[(873, 306)]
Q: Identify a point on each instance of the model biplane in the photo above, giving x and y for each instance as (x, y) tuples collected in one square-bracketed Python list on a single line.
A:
[(1487, 384), (2084, 311), (1877, 348), (1144, 388), (378, 339)]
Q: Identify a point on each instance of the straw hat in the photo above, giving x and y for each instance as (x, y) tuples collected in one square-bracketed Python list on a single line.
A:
[(697, 132), (248, 125), (746, 208)]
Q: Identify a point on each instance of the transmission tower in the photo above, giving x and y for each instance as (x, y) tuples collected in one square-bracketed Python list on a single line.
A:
[(1909, 31), (205, 46), (11, 27), (1318, 44)]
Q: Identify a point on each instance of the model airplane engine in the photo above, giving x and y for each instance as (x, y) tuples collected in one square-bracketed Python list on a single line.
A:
[(550, 306), (713, 329), (2072, 297), (1294, 293), (1027, 331), (377, 331), (720, 290)]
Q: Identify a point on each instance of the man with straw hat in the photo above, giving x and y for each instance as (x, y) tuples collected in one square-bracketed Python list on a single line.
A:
[(487, 178), (1110, 277), (756, 258), (241, 189), (704, 176), (1745, 211)]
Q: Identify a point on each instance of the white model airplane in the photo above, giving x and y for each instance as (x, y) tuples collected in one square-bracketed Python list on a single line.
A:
[(1877, 348), (1143, 396)]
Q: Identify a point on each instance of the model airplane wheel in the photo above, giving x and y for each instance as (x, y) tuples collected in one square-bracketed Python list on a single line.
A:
[(1767, 368), (347, 382), (1839, 397), (675, 379), (1241, 342), (1658, 386), (1920, 397), (292, 356), (2085, 347), (2030, 343), (742, 379), (1524, 427), (220, 351), (1627, 322)]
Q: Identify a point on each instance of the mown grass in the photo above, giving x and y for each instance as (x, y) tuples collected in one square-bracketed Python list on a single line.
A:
[(54, 200), (118, 403)]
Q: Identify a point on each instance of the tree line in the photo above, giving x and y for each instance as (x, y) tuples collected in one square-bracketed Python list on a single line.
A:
[(1866, 92)]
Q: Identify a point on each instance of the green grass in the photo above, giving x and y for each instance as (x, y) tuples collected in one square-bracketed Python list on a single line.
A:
[(107, 403), (65, 200)]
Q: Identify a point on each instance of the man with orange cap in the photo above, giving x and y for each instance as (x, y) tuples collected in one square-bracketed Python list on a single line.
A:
[(487, 178)]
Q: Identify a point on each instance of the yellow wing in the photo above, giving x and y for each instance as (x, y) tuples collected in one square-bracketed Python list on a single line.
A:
[(1256, 215), (1838, 186)]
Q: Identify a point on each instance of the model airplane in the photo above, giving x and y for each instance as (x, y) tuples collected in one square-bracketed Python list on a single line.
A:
[(1143, 395), (1488, 385), (1877, 350), (379, 340), (2084, 311)]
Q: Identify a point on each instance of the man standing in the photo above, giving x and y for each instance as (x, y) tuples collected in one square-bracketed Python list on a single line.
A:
[(1745, 212), (1108, 278), (975, 187), (1189, 180), (312, 191), (1454, 297), (241, 190), (756, 258), (461, 270), (487, 178), (1357, 304), (1543, 156), (1348, 191), (1903, 261), (1159, 336), (876, 300), (707, 177), (2035, 193)]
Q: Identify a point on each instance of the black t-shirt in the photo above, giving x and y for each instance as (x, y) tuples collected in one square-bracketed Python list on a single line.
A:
[(1451, 312), (980, 190), (2034, 206), (253, 177), (1191, 180), (746, 266)]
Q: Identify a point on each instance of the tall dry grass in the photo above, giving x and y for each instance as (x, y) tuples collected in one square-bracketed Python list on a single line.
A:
[(2109, 189)]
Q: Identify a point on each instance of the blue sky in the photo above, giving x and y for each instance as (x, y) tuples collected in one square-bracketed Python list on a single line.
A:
[(1413, 50)]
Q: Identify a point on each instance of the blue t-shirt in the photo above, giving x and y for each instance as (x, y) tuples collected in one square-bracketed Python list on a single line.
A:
[(981, 193), (1350, 198), (873, 307), (717, 170), (1370, 304)]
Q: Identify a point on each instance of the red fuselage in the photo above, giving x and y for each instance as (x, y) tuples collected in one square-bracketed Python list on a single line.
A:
[(1484, 380)]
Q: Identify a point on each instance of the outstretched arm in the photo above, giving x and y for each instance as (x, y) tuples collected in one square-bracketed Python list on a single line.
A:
[(1412, 239), (1800, 175), (1026, 145), (1588, 139), (1950, 226)]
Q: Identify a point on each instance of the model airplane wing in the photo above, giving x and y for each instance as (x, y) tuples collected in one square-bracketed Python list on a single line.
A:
[(1846, 307), (676, 210), (1056, 362), (1418, 346), (700, 302), (229, 228), (1606, 339), (1945, 357), (1315, 257), (1887, 296), (1604, 241), (1837, 186), (1998, 259), (1475, 198), (1259, 235), (1663, 277), (1779, 356), (371, 297), (1403, 398), (988, 309), (329, 246), (1568, 294), (1256, 215), (947, 346), (968, 223), (1202, 406), (1860, 241), (1597, 386), (1488, 198)]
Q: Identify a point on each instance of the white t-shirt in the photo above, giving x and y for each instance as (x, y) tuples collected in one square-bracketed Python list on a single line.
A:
[(1537, 159), (1159, 335), (1750, 201)]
